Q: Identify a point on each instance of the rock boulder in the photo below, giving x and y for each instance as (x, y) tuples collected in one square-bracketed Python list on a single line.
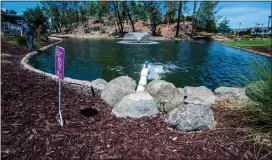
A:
[(136, 105), (118, 88), (99, 84), (191, 117), (230, 95), (199, 95), (166, 95)]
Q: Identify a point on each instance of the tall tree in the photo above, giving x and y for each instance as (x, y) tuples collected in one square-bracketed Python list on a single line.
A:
[(12, 12), (178, 20), (127, 6), (139, 11), (153, 11), (92, 9), (194, 17), (119, 18), (171, 9), (206, 16), (52, 12), (36, 16), (102, 9), (223, 26)]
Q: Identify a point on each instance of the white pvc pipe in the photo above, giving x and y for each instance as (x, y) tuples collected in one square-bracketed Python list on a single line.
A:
[(143, 79)]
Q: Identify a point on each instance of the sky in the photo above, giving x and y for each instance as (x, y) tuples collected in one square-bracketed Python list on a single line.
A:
[(246, 13)]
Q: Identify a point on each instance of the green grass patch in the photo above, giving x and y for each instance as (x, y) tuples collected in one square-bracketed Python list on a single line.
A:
[(5, 61), (257, 42)]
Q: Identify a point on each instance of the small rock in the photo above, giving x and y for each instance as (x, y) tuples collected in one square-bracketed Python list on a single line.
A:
[(99, 84), (191, 117), (199, 95)]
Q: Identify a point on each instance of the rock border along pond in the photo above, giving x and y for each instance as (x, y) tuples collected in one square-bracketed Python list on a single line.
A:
[(188, 108), (97, 84)]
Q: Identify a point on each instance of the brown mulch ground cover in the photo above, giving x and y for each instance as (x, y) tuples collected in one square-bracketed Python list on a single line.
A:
[(29, 128), (267, 50)]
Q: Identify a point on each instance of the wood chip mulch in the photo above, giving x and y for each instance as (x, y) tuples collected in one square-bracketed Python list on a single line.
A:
[(266, 50), (29, 128)]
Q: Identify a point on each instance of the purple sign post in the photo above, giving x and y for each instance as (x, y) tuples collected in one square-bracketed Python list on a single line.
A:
[(59, 68)]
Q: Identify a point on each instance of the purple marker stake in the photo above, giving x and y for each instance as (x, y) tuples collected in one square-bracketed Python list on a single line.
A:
[(59, 68), (59, 59)]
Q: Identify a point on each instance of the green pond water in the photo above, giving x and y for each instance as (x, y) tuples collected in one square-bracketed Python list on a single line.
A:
[(189, 63)]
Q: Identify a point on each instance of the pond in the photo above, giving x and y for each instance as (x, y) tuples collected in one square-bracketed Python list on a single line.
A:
[(188, 63)]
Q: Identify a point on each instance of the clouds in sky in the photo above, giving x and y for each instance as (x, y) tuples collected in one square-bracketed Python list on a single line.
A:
[(246, 15)]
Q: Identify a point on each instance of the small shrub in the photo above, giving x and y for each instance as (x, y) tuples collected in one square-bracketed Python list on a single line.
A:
[(230, 36), (37, 40), (87, 31), (21, 41), (246, 37), (160, 106), (261, 92)]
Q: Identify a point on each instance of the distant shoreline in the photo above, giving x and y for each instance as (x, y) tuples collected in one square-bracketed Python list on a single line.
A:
[(103, 36)]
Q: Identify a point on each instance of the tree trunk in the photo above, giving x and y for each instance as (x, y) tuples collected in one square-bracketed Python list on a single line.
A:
[(153, 25), (179, 12), (194, 19), (56, 28), (131, 21), (119, 21), (59, 26), (49, 27), (118, 25)]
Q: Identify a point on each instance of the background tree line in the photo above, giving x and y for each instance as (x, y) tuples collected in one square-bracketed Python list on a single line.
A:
[(64, 15)]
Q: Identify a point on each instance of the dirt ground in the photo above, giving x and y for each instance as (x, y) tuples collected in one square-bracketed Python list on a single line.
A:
[(29, 128)]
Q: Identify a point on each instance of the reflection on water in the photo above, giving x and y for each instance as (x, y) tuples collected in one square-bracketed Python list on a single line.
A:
[(182, 63)]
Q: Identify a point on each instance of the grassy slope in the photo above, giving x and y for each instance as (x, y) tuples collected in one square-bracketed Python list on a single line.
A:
[(251, 43)]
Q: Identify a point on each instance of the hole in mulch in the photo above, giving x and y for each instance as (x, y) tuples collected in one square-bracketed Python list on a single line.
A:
[(89, 112)]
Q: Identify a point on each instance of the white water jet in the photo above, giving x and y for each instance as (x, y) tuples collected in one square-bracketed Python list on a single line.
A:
[(138, 36)]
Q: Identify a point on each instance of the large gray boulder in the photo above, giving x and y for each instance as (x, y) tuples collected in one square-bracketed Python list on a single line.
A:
[(230, 95), (99, 84), (136, 105), (166, 95), (191, 117), (199, 95), (181, 91), (118, 88)]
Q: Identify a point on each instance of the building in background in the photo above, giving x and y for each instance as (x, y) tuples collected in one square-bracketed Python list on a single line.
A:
[(10, 23), (263, 30)]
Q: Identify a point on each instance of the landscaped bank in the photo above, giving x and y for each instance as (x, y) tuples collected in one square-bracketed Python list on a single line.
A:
[(258, 46), (30, 129)]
